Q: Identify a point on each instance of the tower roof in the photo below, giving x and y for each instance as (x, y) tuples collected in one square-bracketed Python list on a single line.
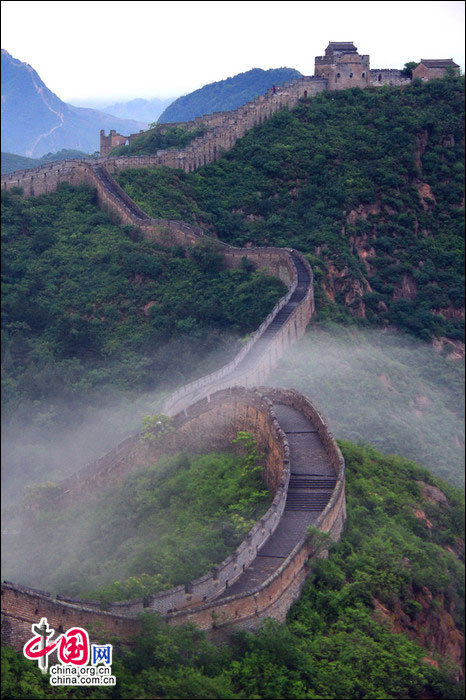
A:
[(343, 46), (439, 63)]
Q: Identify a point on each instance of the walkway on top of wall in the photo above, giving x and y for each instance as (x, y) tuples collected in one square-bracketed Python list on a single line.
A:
[(312, 481), (257, 350)]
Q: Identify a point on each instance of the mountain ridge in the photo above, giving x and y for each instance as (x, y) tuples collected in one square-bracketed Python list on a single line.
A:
[(391, 567), (139, 108), (227, 94), (36, 121)]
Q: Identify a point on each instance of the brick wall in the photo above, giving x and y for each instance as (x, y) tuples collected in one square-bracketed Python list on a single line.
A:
[(202, 419), (343, 71), (428, 73), (22, 606), (224, 128), (239, 409), (112, 140), (387, 76)]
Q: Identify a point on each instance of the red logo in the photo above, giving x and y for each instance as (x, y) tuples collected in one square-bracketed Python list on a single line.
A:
[(73, 646)]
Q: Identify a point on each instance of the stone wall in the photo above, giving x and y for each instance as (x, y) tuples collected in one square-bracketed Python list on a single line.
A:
[(292, 329), (205, 425), (210, 420), (23, 606), (115, 200), (224, 128), (111, 141), (274, 597), (387, 76), (209, 423), (427, 72), (343, 71), (227, 412)]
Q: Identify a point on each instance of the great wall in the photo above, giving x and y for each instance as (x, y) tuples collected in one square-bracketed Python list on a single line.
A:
[(304, 467)]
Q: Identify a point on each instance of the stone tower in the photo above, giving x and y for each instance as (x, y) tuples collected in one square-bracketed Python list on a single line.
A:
[(342, 66)]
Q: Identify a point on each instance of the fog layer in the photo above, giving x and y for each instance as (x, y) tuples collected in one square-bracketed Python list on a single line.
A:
[(383, 388)]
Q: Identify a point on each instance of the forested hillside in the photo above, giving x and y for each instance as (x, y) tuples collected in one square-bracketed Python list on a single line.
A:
[(368, 183), (89, 307), (11, 161), (381, 617), (227, 94), (163, 525)]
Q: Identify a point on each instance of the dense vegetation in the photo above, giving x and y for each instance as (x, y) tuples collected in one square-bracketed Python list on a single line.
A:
[(368, 183), (163, 526), (225, 95), (383, 388), (157, 138), (379, 171), (88, 306), (338, 641), (11, 161)]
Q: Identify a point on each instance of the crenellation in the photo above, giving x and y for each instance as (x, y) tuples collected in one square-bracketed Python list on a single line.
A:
[(210, 410), (341, 67), (387, 76), (198, 601)]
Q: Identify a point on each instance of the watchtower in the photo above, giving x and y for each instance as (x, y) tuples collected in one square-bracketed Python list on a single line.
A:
[(342, 66), (111, 141), (430, 68)]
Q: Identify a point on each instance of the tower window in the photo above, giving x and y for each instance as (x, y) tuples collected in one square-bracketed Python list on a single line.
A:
[(338, 75), (350, 75), (380, 77), (363, 75)]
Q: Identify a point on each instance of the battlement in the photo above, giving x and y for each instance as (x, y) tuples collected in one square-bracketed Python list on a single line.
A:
[(111, 141), (387, 76), (213, 602), (213, 408), (340, 68)]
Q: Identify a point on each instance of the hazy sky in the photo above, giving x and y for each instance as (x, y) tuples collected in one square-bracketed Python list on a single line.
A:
[(106, 51)]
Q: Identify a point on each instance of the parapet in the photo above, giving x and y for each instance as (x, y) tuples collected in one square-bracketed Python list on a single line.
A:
[(199, 601)]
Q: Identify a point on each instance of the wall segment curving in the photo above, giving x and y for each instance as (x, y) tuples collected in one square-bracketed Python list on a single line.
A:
[(205, 601), (208, 411)]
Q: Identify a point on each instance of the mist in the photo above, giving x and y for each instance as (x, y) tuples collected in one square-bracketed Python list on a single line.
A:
[(50, 441), (43, 448), (378, 387), (384, 388)]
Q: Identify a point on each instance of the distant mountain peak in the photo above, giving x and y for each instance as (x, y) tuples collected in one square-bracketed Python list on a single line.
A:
[(35, 121)]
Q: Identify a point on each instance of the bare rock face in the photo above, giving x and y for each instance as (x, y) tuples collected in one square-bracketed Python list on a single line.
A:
[(450, 312), (342, 283), (354, 299), (406, 289), (432, 622), (420, 515), (426, 195), (432, 494), (456, 348), (421, 143), (433, 626), (363, 211)]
